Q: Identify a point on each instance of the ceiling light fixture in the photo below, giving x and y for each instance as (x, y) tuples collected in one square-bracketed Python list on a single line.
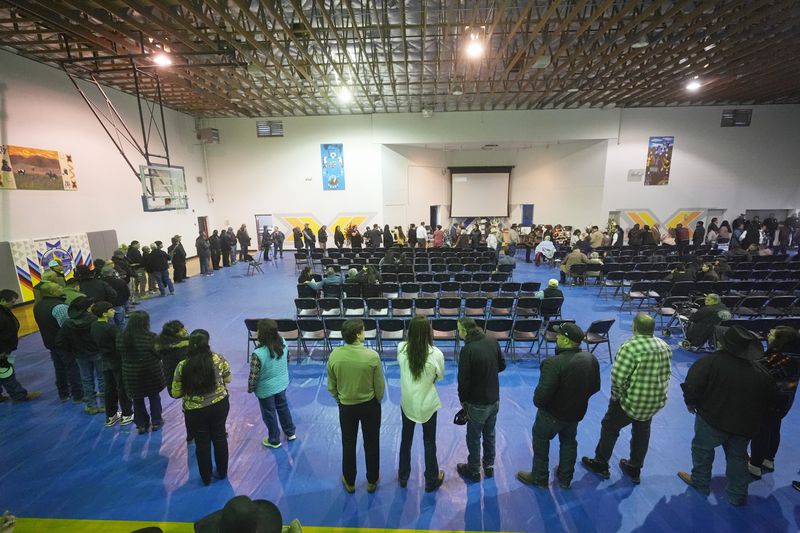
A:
[(710, 47), (693, 86), (458, 90), (641, 42), (344, 95), (475, 46), (162, 60)]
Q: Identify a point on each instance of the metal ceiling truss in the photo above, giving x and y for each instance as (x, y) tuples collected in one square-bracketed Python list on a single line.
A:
[(291, 57)]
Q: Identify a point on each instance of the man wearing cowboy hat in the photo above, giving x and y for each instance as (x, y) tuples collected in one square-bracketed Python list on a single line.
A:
[(729, 394), (243, 515)]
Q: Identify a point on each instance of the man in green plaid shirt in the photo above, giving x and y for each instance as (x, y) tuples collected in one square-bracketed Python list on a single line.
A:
[(639, 381)]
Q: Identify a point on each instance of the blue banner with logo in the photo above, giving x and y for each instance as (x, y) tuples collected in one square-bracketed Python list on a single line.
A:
[(332, 167)]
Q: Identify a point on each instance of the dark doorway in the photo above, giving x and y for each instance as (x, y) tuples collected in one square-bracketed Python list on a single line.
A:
[(202, 225)]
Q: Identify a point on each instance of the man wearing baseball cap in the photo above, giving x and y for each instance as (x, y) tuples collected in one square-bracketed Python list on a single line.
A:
[(566, 383)]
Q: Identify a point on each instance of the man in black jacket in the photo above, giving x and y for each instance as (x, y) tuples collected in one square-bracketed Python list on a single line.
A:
[(729, 394), (308, 238), (225, 247), (159, 262), (216, 249), (110, 275), (136, 262), (177, 254), (94, 288), (75, 337), (479, 363), (566, 383), (9, 337), (68, 378)]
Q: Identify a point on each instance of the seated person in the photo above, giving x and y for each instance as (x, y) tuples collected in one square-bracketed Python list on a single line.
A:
[(703, 321), (575, 257), (306, 275), (331, 278), (545, 249), (763, 250), (594, 259), (679, 274), (504, 259), (722, 268), (551, 291), (707, 273)]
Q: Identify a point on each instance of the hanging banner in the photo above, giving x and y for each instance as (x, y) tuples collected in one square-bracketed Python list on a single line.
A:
[(659, 160), (36, 169), (332, 167), (31, 258)]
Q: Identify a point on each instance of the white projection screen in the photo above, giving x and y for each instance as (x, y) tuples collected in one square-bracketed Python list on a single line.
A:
[(479, 194)]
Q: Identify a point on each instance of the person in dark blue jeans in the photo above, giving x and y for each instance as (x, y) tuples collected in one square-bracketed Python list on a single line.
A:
[(268, 379), (479, 363), (729, 395)]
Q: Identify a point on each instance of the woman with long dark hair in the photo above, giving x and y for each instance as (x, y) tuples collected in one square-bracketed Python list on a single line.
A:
[(269, 378), (388, 240), (338, 237), (785, 370), (421, 365), (142, 371), (201, 380)]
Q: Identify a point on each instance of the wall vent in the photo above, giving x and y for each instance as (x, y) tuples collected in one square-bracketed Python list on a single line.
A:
[(736, 118), (269, 129)]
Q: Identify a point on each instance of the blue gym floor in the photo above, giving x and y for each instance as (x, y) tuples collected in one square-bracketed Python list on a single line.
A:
[(58, 462)]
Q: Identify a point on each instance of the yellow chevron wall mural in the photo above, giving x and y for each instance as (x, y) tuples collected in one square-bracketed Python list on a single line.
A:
[(342, 219), (685, 216)]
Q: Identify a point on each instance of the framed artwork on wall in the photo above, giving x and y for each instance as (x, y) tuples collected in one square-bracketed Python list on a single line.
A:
[(659, 160), (332, 167)]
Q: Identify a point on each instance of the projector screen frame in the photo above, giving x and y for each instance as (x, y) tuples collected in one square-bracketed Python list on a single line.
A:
[(484, 170)]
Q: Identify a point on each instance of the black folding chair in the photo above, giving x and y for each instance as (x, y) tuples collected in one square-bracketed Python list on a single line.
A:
[(597, 333)]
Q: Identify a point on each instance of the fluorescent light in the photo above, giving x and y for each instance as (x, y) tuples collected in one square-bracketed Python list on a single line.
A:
[(693, 86), (474, 48), (572, 90), (344, 95), (710, 47), (162, 60), (641, 42)]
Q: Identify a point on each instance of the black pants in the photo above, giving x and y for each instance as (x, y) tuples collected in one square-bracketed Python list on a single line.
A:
[(215, 255), (428, 440), (68, 376), (207, 424), (528, 254), (178, 270), (243, 252), (765, 444), (615, 420), (368, 414), (277, 248), (115, 394), (226, 258)]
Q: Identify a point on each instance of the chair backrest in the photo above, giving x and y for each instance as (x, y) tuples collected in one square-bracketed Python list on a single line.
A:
[(499, 328), (377, 304), (333, 327), (450, 306), (328, 304), (287, 328), (528, 325), (351, 290), (444, 328), (425, 306), (530, 286), (528, 306), (510, 286), (311, 328), (251, 324), (601, 327), (551, 306), (393, 328), (305, 305)]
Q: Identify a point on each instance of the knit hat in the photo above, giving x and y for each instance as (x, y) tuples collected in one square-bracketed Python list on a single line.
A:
[(553, 283)]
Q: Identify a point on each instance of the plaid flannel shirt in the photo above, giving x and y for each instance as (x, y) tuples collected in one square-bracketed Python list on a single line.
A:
[(640, 376)]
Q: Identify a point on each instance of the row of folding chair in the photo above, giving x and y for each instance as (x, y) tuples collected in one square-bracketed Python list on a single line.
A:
[(427, 289), (762, 326), (475, 307), (619, 281), (387, 331)]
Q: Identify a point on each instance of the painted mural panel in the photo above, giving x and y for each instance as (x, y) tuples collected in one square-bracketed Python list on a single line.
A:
[(332, 167), (36, 169), (659, 160), (31, 258)]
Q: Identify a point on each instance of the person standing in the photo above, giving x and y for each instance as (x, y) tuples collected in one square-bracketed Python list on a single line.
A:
[(785, 371), (308, 237), (277, 242), (225, 248), (142, 371), (479, 364), (177, 255), (119, 407), (729, 393), (269, 379), (297, 237), (110, 275), (234, 243), (244, 243), (412, 236), (204, 254), (699, 235), (136, 262), (201, 380), (159, 261), (639, 383), (172, 347), (338, 237), (266, 243), (422, 236), (567, 382), (9, 340), (438, 237), (216, 249), (421, 366), (75, 337), (47, 312), (356, 382), (322, 235), (388, 239)]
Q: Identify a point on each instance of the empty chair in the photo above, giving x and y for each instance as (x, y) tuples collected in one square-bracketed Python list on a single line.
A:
[(481, 277), (639, 292), (388, 278), (289, 332), (441, 277), (446, 329), (333, 331), (450, 289), (613, 280), (551, 308), (329, 307), (377, 307), (311, 329), (353, 307), (475, 307), (779, 305), (751, 306), (463, 277), (429, 290), (370, 331), (528, 307), (510, 287), (390, 330), (304, 291), (390, 290), (449, 307), (470, 289), (300, 260), (406, 277), (499, 277), (305, 307), (529, 287), (425, 306), (351, 290), (409, 290), (525, 330), (502, 306), (424, 277), (597, 333), (490, 289), (550, 335), (402, 307), (499, 329), (251, 324)]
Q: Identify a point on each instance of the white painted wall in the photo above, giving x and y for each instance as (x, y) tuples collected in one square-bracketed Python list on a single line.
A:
[(734, 168), (42, 109)]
